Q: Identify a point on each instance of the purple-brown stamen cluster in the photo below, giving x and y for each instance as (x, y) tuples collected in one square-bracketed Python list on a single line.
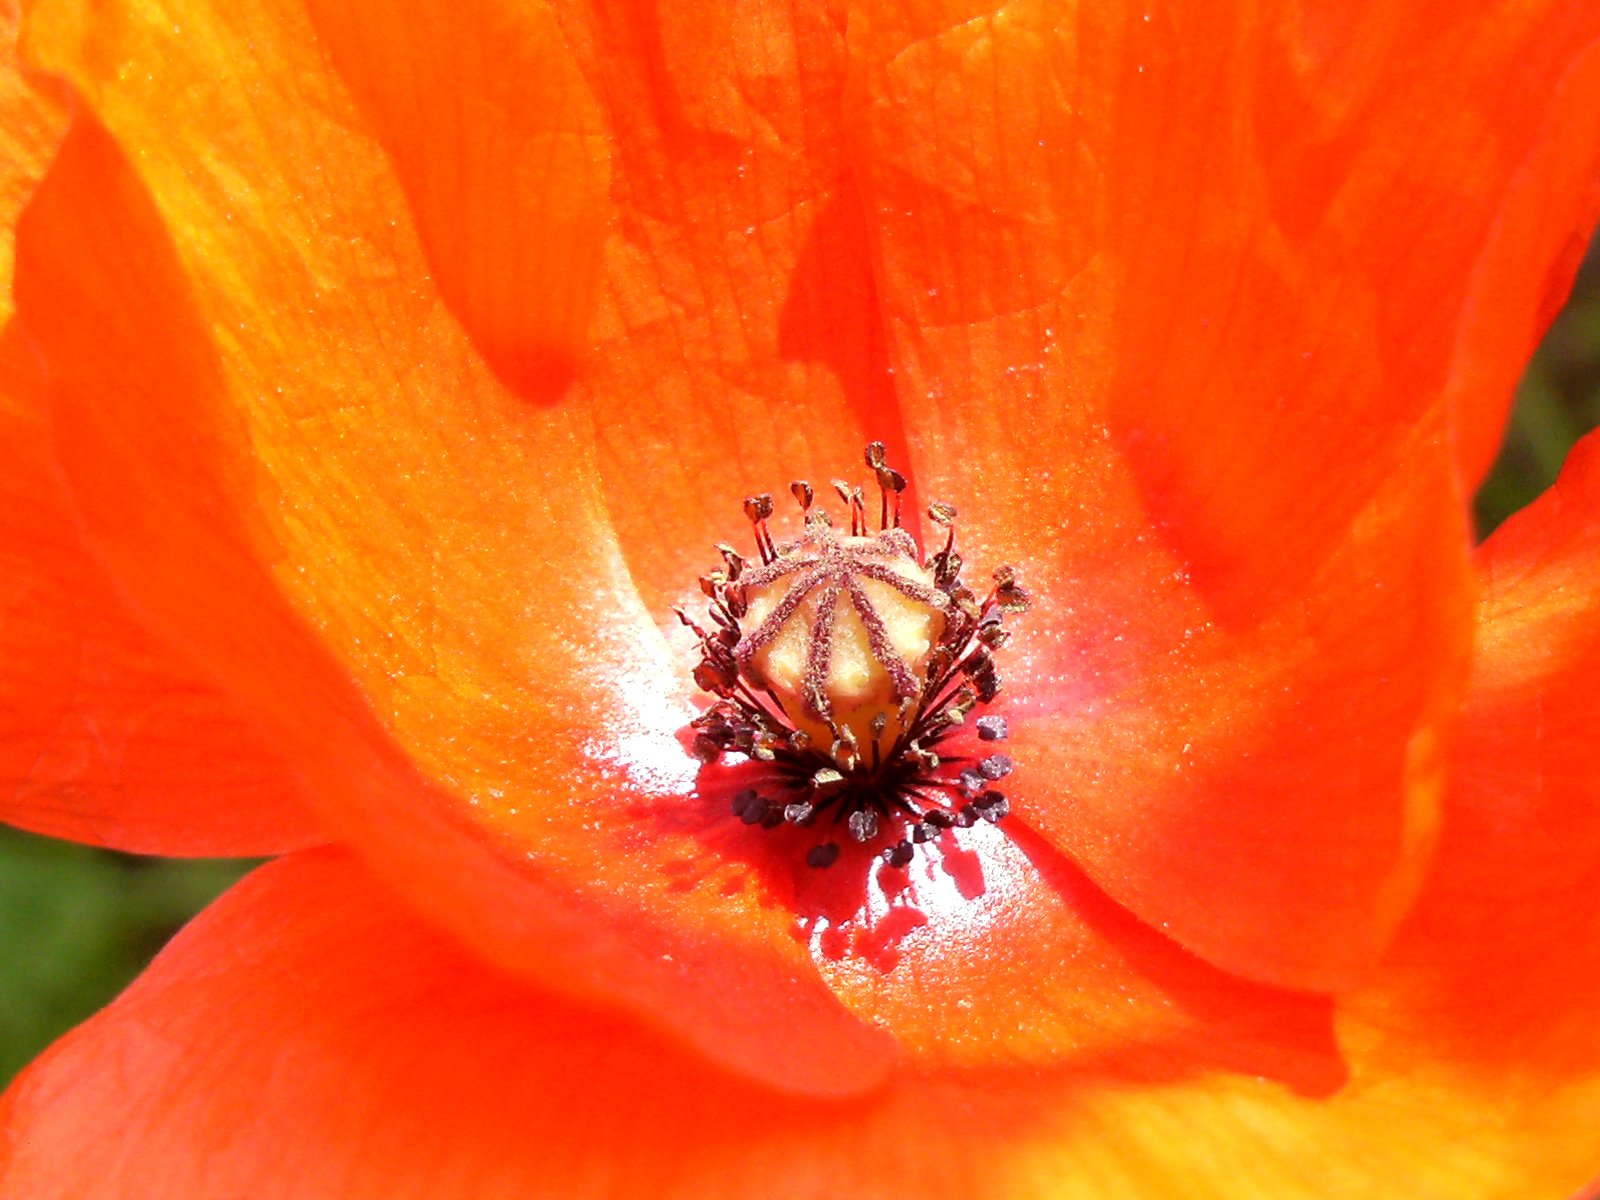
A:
[(893, 775)]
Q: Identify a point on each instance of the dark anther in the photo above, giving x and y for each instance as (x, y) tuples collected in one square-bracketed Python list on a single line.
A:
[(1008, 593), (799, 814), (996, 766), (758, 508), (971, 780), (967, 817), (863, 825), (941, 513), (939, 818), (923, 832), (803, 494), (991, 806), (992, 728), (876, 455), (994, 636), (899, 854), (714, 677), (823, 856)]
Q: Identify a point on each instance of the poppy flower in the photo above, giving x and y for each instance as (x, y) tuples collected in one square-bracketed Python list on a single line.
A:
[(381, 378)]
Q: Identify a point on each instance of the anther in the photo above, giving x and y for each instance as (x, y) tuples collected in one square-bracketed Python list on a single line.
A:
[(992, 728), (991, 806), (823, 856), (863, 825), (996, 766)]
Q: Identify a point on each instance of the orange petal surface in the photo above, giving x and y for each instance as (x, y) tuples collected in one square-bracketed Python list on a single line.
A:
[(507, 183), (106, 734), (153, 450), (519, 773), (30, 124), (110, 735), (1506, 933), (308, 1037), (738, 344), (1184, 296)]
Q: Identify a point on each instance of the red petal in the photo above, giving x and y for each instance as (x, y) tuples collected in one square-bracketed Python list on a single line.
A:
[(1175, 296), (307, 1038)]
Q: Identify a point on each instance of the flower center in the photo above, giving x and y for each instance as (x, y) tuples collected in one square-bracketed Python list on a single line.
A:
[(849, 664)]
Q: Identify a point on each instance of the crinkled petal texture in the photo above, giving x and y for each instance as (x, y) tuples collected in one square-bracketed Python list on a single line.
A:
[(403, 370)]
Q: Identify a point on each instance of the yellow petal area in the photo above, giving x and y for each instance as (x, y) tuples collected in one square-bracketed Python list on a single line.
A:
[(31, 120)]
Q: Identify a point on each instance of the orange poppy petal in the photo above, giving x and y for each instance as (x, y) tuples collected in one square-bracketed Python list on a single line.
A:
[(30, 125), (306, 1037), (106, 738), (110, 735), (1207, 273), (738, 345), (549, 871), (256, 445), (527, 786), (1506, 931), (507, 183)]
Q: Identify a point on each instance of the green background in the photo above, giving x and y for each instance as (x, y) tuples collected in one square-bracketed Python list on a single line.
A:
[(76, 924)]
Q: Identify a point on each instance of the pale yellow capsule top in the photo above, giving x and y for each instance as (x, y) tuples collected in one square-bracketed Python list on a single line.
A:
[(859, 675)]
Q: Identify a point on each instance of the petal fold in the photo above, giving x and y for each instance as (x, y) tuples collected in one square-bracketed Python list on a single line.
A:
[(738, 342), (108, 733)]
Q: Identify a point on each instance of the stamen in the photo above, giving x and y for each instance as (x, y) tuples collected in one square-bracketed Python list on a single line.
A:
[(848, 665)]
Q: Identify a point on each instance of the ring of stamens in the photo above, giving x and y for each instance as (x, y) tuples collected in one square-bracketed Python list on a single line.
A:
[(880, 775)]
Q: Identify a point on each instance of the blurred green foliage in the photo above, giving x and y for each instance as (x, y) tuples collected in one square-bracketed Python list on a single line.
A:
[(1558, 401), (77, 924)]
